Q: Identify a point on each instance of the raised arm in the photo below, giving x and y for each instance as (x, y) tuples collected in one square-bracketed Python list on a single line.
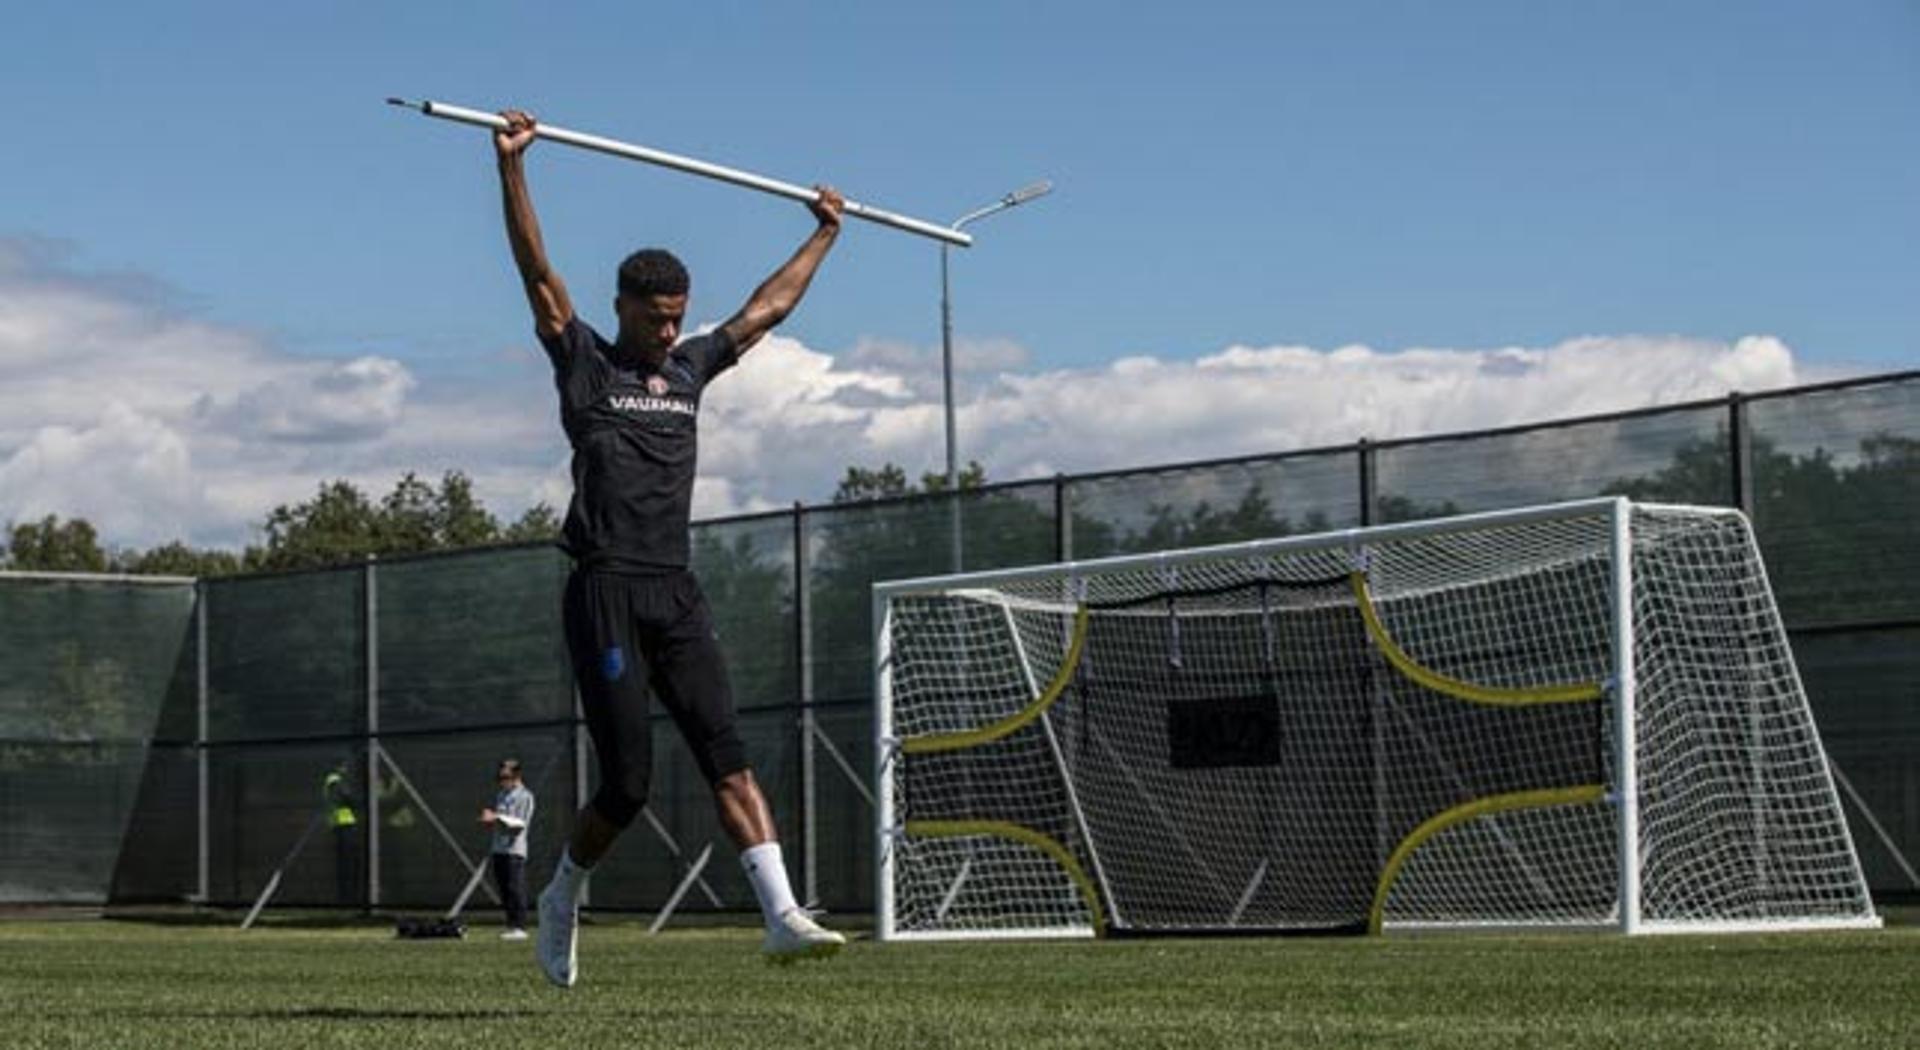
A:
[(779, 294), (546, 293)]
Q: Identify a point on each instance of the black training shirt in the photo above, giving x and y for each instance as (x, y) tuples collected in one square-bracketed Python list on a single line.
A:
[(633, 434)]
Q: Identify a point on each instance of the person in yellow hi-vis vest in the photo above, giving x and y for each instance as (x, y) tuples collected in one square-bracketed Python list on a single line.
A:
[(336, 790)]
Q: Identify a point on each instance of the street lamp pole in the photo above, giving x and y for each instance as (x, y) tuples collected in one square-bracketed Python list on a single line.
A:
[(1014, 199)]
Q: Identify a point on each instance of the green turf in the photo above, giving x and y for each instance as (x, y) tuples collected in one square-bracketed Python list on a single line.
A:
[(96, 984)]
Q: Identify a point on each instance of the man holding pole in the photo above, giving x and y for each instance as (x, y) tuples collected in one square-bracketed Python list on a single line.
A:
[(636, 621)]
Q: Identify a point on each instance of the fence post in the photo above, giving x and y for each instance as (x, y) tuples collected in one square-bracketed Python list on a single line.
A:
[(1062, 521), (582, 742), (803, 694), (1368, 486), (1740, 452), (203, 864), (372, 621)]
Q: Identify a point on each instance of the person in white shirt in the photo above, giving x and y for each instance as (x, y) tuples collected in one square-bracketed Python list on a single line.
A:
[(511, 812)]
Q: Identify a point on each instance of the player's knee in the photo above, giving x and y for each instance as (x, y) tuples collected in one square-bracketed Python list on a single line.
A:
[(619, 802), (723, 756), (739, 784)]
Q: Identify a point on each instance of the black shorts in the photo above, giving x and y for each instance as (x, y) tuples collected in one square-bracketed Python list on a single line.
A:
[(629, 636)]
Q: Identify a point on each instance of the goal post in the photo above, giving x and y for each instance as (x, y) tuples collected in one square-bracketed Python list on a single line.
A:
[(1583, 714)]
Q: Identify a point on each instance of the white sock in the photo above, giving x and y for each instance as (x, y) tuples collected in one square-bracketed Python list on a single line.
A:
[(768, 873), (571, 877)]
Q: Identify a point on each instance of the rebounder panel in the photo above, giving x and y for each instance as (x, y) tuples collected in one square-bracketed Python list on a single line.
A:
[(85, 668)]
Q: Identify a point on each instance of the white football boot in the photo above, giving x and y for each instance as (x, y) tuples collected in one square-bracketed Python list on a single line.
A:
[(557, 945), (796, 936)]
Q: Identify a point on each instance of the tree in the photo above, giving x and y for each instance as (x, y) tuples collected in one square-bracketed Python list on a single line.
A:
[(890, 480), (1700, 473), (177, 559), (860, 484), (52, 545), (1250, 519), (340, 524), (417, 517), (1392, 507), (749, 587), (538, 523), (971, 476), (337, 525), (860, 540)]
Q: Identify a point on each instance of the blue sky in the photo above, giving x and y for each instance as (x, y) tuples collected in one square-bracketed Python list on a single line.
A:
[(1465, 176)]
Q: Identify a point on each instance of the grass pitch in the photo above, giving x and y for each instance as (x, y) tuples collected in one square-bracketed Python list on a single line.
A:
[(98, 984)]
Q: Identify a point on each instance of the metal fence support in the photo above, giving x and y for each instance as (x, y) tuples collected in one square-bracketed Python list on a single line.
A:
[(1740, 453), (581, 742), (1062, 521), (803, 693), (686, 883), (954, 517), (1369, 484), (433, 819), (371, 841), (1873, 824), (679, 856), (203, 837)]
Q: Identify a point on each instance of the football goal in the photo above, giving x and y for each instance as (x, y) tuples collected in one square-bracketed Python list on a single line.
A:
[(1584, 714)]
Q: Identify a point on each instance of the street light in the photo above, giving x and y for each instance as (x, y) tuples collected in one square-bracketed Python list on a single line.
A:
[(1014, 199)]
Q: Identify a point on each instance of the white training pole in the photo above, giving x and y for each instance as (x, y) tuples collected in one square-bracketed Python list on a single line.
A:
[(473, 883), (273, 884), (680, 891), (693, 167)]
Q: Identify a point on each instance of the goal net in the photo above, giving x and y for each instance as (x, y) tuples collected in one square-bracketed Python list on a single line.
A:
[(1584, 714)]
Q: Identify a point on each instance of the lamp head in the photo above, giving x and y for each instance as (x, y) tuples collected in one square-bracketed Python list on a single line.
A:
[(1027, 193)]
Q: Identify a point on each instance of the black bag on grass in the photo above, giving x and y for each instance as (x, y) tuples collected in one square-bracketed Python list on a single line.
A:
[(430, 929)]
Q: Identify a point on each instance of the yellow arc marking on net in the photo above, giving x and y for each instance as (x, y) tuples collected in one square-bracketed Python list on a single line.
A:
[(932, 742), (934, 829), (1579, 692), (1460, 690), (1480, 807)]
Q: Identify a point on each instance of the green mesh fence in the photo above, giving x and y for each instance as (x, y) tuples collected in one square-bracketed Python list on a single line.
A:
[(1836, 490), (843, 816), (1834, 501), (1193, 506), (746, 571), (102, 755), (1679, 456), (472, 639), (85, 668), (648, 862), (429, 831), (286, 656)]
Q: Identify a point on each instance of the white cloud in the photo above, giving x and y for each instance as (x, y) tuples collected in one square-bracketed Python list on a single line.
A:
[(327, 403), (155, 425), (132, 470), (118, 407), (1141, 411)]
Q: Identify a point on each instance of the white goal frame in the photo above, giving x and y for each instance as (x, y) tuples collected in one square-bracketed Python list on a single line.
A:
[(1621, 688)]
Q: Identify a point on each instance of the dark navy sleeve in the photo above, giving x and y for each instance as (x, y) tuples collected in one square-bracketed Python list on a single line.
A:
[(575, 343), (710, 354)]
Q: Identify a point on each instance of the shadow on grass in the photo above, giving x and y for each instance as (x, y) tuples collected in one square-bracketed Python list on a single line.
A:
[(318, 919), (354, 1013), (305, 1013)]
